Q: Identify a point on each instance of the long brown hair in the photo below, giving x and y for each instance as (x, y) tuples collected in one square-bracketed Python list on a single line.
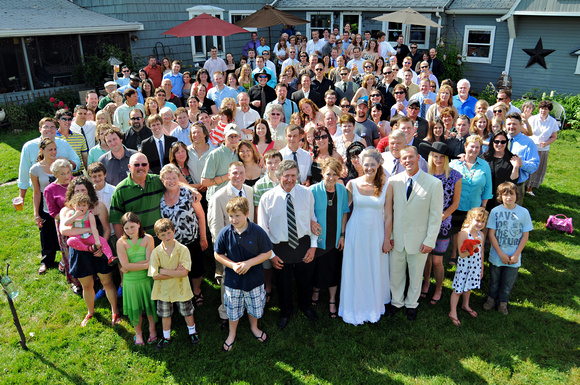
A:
[(380, 177), (132, 217)]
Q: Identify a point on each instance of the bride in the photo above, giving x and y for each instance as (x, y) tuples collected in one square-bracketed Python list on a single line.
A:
[(365, 285)]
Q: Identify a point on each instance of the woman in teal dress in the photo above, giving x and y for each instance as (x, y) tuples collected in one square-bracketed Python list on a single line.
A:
[(134, 250)]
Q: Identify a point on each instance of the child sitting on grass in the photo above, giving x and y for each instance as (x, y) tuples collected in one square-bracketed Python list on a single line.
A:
[(81, 216), (170, 263), (241, 248), (469, 271), (509, 228), (134, 250)]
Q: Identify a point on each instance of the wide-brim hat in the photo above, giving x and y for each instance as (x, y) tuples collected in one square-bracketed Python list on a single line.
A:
[(262, 72), (438, 147)]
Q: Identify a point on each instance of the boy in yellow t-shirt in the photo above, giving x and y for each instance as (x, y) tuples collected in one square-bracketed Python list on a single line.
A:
[(169, 265)]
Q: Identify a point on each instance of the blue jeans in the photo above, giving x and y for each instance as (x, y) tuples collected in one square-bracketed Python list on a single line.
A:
[(501, 282)]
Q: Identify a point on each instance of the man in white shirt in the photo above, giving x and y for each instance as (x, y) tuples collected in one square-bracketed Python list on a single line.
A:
[(293, 243), (245, 116), (315, 45), (386, 50), (407, 62), (121, 116), (267, 62), (357, 61), (215, 63), (181, 132), (425, 97), (84, 127), (292, 151), (291, 59)]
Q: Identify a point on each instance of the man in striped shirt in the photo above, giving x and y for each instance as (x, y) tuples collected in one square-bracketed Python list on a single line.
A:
[(77, 141)]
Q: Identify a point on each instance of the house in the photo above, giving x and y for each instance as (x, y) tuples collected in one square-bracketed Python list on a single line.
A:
[(41, 43), (158, 17)]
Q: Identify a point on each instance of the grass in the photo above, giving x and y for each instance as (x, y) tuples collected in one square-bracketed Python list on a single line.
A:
[(537, 343)]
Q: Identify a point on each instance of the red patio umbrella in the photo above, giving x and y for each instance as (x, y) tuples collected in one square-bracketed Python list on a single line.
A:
[(204, 25)]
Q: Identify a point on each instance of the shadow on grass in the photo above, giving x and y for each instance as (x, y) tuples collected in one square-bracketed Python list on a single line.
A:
[(74, 378)]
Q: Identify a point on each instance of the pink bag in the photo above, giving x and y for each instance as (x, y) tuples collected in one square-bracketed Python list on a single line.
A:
[(555, 222)]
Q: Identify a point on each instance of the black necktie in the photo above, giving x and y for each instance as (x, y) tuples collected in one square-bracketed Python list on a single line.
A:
[(240, 194), (409, 188), (510, 144), (262, 100), (292, 232), (295, 157), (344, 87)]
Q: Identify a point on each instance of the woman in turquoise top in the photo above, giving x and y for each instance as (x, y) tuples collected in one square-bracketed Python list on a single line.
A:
[(476, 185), (101, 146), (134, 250), (330, 207)]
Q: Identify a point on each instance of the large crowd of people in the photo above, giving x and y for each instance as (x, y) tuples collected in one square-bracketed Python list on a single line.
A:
[(336, 163)]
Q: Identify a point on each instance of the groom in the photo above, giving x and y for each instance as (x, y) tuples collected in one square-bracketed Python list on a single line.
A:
[(417, 211)]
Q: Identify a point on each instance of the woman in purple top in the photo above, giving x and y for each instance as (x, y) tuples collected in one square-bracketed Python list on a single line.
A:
[(438, 166)]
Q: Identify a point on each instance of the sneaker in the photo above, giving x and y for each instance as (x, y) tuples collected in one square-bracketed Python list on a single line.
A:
[(531, 193), (100, 294), (164, 342), (503, 308), (194, 339), (489, 304)]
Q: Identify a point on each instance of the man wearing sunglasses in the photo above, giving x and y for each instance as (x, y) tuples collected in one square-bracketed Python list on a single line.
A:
[(123, 81), (261, 94), (345, 88), (76, 141), (387, 86), (320, 83)]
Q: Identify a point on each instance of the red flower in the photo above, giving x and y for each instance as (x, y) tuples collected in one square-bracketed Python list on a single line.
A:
[(61, 103), (55, 105), (52, 100), (66, 107)]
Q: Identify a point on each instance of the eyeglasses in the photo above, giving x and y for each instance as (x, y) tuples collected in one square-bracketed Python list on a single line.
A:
[(413, 47), (126, 71), (140, 164), (413, 108), (368, 66), (375, 95), (387, 72), (497, 141), (497, 111), (262, 77), (265, 53), (136, 118), (318, 69), (321, 137), (345, 106), (400, 93), (500, 99), (66, 119), (275, 114), (344, 74)]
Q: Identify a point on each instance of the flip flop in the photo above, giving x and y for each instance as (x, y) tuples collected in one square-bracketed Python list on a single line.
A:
[(424, 294), (261, 338), (456, 322), (434, 301), (471, 312), (227, 347), (135, 339), (86, 320), (152, 340)]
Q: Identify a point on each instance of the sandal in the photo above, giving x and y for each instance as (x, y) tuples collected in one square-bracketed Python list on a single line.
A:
[(86, 320), (332, 314), (424, 294), (453, 261), (198, 298), (152, 339), (115, 319), (456, 322), (135, 339), (434, 301), (261, 338), (471, 312), (227, 347), (315, 301)]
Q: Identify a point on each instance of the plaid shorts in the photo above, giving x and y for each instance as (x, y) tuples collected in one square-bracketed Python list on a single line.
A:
[(236, 300), (165, 309)]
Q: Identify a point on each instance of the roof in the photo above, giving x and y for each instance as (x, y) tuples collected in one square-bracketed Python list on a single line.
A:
[(55, 17), (375, 5), (548, 6), (500, 5)]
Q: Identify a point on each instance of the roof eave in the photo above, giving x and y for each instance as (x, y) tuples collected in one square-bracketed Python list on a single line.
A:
[(71, 31)]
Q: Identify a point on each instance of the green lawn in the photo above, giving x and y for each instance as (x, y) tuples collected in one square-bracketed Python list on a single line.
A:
[(539, 342)]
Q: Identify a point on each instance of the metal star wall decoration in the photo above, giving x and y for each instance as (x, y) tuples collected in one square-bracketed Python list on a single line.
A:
[(538, 54)]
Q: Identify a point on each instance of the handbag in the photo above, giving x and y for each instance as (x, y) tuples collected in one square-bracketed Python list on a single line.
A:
[(560, 222)]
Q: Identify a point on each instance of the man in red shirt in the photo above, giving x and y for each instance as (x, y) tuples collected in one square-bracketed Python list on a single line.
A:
[(154, 71)]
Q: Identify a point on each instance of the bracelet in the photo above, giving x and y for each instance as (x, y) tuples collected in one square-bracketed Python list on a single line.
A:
[(36, 217), (342, 234), (203, 238)]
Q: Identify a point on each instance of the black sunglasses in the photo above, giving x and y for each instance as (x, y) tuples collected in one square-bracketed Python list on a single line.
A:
[(497, 141)]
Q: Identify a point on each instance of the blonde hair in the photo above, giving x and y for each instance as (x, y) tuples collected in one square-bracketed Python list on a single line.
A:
[(238, 204), (479, 213), (431, 165)]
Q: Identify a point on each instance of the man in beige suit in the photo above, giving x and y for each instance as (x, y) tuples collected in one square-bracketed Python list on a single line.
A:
[(417, 211), (217, 217)]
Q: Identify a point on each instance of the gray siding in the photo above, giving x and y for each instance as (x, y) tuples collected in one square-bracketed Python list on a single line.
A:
[(480, 74), (559, 75), (159, 17)]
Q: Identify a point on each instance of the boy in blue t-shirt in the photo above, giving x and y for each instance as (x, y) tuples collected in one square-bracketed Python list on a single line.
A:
[(509, 226), (241, 248)]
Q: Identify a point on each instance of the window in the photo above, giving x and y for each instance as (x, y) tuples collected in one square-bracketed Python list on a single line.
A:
[(13, 76), (200, 45), (319, 20), (236, 16), (416, 34), (478, 43)]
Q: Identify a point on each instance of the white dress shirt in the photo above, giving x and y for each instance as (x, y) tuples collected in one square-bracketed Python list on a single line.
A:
[(304, 161), (273, 216)]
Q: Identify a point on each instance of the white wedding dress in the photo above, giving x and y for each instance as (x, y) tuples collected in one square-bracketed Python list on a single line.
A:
[(365, 285)]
